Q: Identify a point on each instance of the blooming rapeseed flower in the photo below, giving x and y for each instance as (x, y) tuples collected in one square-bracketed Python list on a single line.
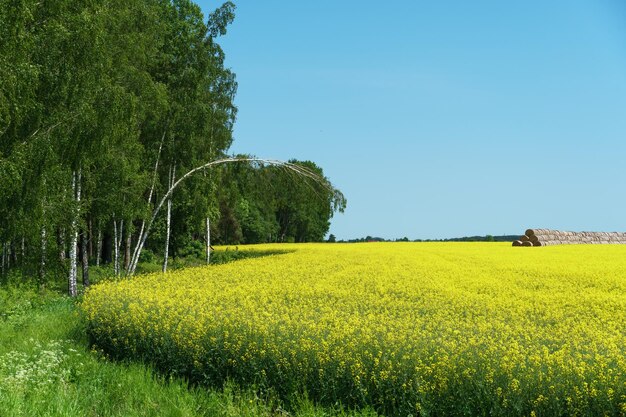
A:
[(449, 328)]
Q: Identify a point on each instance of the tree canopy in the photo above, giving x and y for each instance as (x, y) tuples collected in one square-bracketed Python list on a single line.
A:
[(104, 105)]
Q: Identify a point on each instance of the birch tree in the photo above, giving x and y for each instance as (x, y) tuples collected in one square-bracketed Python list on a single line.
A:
[(76, 189)]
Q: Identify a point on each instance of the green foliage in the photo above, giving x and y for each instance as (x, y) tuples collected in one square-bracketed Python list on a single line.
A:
[(194, 249), (125, 93), (147, 256), (271, 204)]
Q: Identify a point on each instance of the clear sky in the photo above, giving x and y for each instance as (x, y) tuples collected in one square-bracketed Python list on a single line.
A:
[(441, 118)]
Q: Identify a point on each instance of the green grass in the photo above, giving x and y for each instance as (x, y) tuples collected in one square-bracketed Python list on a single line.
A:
[(48, 369)]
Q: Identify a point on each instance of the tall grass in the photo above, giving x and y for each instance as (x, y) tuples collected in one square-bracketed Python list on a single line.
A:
[(48, 369)]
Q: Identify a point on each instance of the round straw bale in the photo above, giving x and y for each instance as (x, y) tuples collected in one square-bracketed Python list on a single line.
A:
[(525, 238), (517, 243), (538, 244), (527, 243)]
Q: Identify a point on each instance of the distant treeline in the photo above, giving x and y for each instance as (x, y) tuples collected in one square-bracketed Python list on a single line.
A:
[(486, 238)]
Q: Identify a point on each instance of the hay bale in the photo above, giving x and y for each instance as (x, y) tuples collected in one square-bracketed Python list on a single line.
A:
[(536, 232), (517, 243), (546, 237)]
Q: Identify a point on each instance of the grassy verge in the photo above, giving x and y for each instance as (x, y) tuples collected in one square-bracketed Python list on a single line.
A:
[(48, 369)]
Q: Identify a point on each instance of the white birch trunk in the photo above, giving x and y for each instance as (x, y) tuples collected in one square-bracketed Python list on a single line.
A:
[(129, 241), (135, 258), (62, 244), (117, 245), (169, 218), (85, 261), (119, 248), (99, 245), (76, 180), (42, 265), (208, 240), (300, 171), (115, 257), (90, 241), (8, 254)]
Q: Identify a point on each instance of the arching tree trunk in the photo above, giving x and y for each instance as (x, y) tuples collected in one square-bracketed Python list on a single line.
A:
[(172, 179), (299, 170)]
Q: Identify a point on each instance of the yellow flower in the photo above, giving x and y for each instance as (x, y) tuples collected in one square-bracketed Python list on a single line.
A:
[(412, 321)]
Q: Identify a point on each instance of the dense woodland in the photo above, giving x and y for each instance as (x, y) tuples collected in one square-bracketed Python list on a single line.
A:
[(105, 105)]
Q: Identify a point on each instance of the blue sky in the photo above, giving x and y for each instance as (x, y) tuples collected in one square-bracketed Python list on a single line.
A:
[(441, 119)]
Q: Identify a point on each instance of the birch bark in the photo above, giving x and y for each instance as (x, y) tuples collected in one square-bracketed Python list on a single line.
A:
[(115, 257), (127, 249), (135, 258), (85, 255), (99, 245), (61, 242), (300, 171), (76, 180), (42, 264), (172, 177), (90, 234), (208, 240), (117, 243)]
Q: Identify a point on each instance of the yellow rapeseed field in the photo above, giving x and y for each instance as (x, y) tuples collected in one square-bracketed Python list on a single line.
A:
[(406, 328)]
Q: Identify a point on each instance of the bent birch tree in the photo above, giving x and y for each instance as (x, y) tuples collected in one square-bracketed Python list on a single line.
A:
[(298, 170)]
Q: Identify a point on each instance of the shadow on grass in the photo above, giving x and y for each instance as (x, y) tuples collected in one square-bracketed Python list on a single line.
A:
[(228, 255)]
